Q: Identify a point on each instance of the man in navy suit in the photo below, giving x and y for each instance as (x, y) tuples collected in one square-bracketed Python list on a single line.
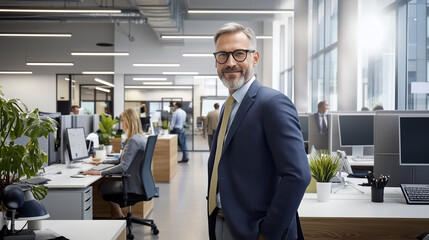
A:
[(263, 168)]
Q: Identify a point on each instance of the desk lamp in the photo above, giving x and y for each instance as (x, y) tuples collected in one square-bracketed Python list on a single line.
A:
[(20, 204)]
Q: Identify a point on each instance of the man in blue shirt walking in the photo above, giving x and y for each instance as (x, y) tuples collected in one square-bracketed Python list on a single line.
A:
[(177, 127)]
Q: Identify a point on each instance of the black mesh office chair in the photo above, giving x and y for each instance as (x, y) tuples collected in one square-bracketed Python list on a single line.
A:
[(126, 199)]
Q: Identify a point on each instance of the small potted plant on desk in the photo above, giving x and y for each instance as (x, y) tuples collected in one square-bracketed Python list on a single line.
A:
[(17, 161), (106, 128), (324, 167)]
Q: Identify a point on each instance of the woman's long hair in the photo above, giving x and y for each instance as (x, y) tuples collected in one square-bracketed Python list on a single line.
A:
[(132, 119)]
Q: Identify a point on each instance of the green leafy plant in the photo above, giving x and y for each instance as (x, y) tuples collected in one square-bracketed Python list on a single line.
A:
[(324, 166), (106, 127), (17, 161)]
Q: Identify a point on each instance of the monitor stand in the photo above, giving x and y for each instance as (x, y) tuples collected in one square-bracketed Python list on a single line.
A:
[(346, 184), (357, 151)]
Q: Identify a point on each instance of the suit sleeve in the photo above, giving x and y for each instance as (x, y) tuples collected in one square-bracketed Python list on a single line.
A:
[(130, 151), (284, 138)]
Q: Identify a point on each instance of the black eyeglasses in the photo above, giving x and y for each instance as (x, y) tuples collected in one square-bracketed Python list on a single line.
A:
[(239, 55)]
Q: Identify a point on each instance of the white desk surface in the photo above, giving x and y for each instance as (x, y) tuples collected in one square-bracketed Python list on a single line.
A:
[(63, 180), (350, 203), (360, 163), (83, 229), (166, 136)]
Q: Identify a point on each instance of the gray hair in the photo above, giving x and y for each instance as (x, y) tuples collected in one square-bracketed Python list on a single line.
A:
[(235, 27)]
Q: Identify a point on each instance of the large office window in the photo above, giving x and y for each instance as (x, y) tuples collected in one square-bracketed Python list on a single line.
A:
[(286, 57), (376, 53), (323, 37), (417, 80)]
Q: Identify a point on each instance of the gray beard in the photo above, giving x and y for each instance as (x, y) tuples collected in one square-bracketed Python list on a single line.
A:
[(237, 83), (233, 85)]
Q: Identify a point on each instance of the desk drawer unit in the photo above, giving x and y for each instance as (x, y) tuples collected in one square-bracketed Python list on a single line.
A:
[(69, 204)]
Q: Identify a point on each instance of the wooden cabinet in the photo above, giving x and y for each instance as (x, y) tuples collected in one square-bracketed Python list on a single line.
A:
[(165, 158)]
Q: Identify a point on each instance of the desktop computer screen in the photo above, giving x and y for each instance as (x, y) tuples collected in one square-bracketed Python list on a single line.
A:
[(413, 141), (76, 144), (356, 131), (303, 121)]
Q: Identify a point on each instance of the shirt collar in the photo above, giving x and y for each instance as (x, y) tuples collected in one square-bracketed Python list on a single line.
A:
[(241, 92)]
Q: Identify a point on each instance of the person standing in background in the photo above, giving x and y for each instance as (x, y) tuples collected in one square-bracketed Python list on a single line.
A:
[(177, 127), (257, 169), (210, 124), (322, 117)]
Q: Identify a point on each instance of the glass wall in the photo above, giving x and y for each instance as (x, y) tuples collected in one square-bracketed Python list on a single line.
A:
[(323, 38)]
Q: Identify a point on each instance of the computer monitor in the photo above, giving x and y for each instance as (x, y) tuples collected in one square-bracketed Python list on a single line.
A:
[(413, 141), (303, 121), (356, 131), (76, 145)]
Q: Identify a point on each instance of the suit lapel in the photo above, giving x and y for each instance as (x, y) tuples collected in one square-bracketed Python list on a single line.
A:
[(248, 101)]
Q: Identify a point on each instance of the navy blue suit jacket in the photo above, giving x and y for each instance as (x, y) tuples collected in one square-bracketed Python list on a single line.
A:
[(263, 170)]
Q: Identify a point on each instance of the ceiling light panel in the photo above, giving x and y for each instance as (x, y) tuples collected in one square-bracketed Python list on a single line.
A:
[(240, 11), (104, 82), (49, 64), (100, 53), (35, 35), (149, 79), (102, 89), (197, 54), (98, 72), (158, 87), (180, 73), (157, 83), (59, 10), (16, 72), (156, 65)]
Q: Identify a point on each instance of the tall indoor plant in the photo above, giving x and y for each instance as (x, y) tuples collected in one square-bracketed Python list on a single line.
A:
[(106, 128), (17, 161), (324, 167)]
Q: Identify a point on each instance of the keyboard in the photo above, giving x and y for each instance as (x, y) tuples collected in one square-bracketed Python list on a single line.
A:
[(36, 180), (102, 166), (362, 159), (416, 193)]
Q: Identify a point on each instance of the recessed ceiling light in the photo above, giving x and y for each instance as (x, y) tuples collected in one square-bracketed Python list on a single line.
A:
[(100, 53), (35, 35), (49, 64), (156, 65), (241, 11), (98, 72), (60, 10), (149, 79), (180, 73), (16, 72), (158, 87), (201, 77), (102, 89), (157, 83), (103, 82), (197, 54)]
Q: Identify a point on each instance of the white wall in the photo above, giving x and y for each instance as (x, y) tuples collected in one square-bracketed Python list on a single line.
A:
[(34, 91)]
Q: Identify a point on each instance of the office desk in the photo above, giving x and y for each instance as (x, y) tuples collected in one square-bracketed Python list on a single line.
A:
[(77, 198), (69, 198), (351, 215), (85, 229)]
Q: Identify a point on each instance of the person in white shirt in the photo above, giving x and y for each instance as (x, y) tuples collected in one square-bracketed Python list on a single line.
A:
[(177, 127)]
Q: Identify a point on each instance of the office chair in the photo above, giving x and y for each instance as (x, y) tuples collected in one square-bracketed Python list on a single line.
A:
[(126, 199)]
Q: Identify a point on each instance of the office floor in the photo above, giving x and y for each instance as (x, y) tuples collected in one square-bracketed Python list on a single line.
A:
[(180, 211)]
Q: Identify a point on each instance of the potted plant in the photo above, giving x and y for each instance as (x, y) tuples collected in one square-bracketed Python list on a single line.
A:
[(17, 161), (324, 167), (106, 128)]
